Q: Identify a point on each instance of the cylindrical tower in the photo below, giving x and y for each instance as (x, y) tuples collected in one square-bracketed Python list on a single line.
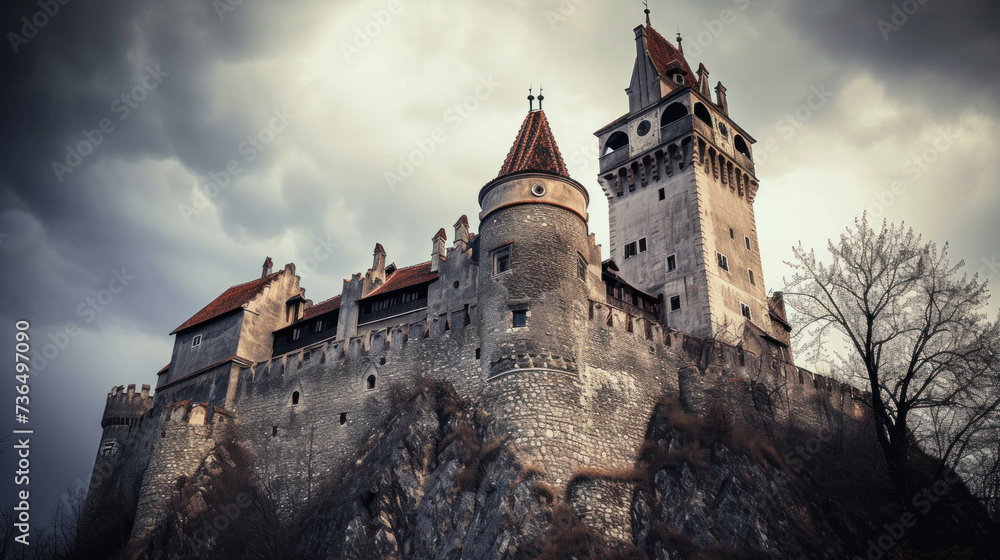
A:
[(533, 273)]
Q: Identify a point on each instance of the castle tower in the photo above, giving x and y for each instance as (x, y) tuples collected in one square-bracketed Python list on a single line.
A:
[(678, 174), (120, 423), (537, 264)]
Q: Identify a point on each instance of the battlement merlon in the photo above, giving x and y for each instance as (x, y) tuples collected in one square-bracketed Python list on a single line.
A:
[(124, 406)]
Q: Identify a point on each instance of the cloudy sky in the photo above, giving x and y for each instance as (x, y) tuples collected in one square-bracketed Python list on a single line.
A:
[(176, 144)]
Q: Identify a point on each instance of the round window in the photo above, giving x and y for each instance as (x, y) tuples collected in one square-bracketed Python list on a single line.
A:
[(538, 190), (644, 127), (723, 129)]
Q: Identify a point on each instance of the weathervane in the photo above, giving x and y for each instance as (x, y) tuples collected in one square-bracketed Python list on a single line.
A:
[(531, 99), (540, 97), (646, 4)]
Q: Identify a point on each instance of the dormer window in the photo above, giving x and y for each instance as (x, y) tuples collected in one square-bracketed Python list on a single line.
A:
[(196, 341)]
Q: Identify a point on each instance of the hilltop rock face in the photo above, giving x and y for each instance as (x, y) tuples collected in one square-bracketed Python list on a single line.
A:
[(432, 484)]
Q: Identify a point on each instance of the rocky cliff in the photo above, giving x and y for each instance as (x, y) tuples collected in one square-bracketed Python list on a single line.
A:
[(437, 482)]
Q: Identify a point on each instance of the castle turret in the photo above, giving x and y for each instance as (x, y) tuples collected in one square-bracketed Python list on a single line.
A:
[(534, 270), (121, 425)]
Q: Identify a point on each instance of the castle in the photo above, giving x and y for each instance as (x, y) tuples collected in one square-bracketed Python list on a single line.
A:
[(568, 352)]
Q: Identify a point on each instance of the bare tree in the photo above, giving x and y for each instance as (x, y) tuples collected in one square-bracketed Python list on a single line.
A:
[(912, 329)]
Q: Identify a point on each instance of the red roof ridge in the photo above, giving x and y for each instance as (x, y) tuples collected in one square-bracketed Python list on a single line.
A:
[(666, 56), (232, 299), (404, 278), (534, 149)]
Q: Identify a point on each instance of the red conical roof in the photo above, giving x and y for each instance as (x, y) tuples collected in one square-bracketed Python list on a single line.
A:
[(534, 149), (666, 57)]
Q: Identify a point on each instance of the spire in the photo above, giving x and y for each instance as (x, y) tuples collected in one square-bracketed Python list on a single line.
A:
[(531, 99), (646, 3), (534, 149)]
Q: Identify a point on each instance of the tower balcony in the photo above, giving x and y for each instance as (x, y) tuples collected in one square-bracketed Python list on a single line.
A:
[(615, 158)]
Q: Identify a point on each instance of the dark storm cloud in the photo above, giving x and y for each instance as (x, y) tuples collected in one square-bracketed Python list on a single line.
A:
[(945, 51)]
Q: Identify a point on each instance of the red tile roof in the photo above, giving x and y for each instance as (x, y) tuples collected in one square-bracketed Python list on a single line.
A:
[(534, 149), (164, 370), (230, 300), (404, 278), (666, 57), (322, 307)]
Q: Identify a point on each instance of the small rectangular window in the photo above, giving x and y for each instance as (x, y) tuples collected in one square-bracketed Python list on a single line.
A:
[(671, 263), (642, 245), (630, 250), (723, 261), (732, 234), (319, 326), (663, 194), (196, 341), (296, 333), (745, 310), (107, 448), (675, 303), (750, 272), (521, 318), (274, 431), (501, 260), (746, 240), (343, 418), (581, 266)]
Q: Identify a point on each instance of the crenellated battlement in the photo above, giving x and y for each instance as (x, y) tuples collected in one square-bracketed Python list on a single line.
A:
[(193, 413), (125, 406)]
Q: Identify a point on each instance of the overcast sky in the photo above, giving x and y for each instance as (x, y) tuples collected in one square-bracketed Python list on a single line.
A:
[(122, 118)]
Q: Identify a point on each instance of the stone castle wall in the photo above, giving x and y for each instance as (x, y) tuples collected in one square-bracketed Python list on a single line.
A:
[(559, 421)]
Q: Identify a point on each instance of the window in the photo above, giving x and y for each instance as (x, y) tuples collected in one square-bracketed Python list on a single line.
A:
[(320, 325), (581, 266), (723, 261), (296, 333), (520, 318), (295, 397), (674, 112), (630, 250), (196, 341), (274, 431), (634, 248), (702, 113), (732, 234), (617, 141), (671, 263), (663, 194), (741, 146), (750, 272), (501, 260), (745, 311), (107, 448), (675, 303), (343, 418), (746, 241), (479, 352), (371, 382)]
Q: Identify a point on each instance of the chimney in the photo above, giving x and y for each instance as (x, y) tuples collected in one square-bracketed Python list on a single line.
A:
[(266, 269), (720, 98), (703, 86), (438, 252), (462, 233), (378, 259)]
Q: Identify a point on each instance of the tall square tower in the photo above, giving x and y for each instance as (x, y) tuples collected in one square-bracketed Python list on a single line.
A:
[(679, 176)]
